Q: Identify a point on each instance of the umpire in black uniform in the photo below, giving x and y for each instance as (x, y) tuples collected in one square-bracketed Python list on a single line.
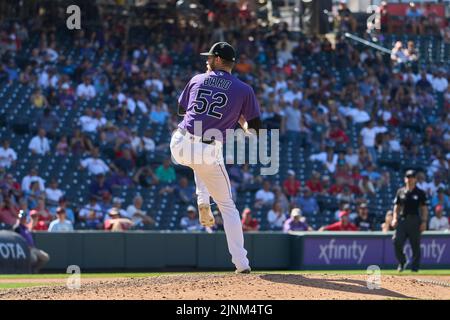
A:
[(410, 219)]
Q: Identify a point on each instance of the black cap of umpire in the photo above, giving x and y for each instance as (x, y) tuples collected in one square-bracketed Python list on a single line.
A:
[(223, 50), (410, 173)]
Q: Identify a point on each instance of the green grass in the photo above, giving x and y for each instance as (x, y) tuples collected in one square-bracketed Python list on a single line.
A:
[(24, 285), (154, 274)]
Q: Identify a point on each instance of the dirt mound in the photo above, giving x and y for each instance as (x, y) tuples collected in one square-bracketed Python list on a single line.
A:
[(253, 286)]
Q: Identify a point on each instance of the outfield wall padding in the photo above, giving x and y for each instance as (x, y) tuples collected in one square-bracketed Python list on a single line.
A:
[(151, 250)]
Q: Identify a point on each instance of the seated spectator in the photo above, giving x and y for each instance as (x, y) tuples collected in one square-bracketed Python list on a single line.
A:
[(439, 82), (39, 258), (38, 100), (307, 203), (63, 203), (218, 225), (145, 177), (79, 143), (346, 195), (166, 173), (190, 222), (249, 223), (32, 196), (359, 115), (8, 211), (62, 147), (436, 184), (314, 184), (40, 216), (344, 206), (48, 121), (337, 134), (66, 97), (86, 90), (291, 186), (140, 218), (440, 198), (119, 179), (296, 222), (398, 55), (31, 177), (99, 185), (94, 164), (387, 224), (366, 186), (264, 197), (326, 185), (351, 158), (10, 184), (39, 145), (8, 156), (343, 224), (116, 222), (53, 193), (276, 217), (184, 192), (61, 224), (89, 122), (159, 113), (439, 222), (281, 199), (364, 222), (91, 215)]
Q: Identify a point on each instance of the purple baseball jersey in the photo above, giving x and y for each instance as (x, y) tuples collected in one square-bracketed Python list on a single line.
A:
[(217, 99)]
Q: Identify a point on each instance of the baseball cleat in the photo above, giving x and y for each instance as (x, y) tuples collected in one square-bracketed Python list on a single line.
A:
[(245, 271), (205, 215)]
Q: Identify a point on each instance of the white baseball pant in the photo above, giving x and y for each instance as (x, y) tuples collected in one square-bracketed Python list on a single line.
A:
[(211, 178)]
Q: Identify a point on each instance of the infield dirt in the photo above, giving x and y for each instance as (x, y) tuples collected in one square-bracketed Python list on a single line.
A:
[(231, 286)]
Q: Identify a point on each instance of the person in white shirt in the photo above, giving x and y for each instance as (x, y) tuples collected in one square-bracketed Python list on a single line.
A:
[(137, 101), (358, 114), (439, 83), (264, 197), (86, 90), (439, 222), (94, 164), (276, 217), (149, 143), (351, 158), (61, 224), (90, 122), (52, 193), (394, 143), (8, 156), (39, 144), (31, 177), (136, 214)]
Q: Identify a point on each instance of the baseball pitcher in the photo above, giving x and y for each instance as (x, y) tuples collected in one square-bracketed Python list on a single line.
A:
[(212, 103)]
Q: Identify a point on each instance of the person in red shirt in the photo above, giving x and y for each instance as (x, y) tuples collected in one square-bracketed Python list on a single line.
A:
[(338, 187), (337, 134), (291, 186), (249, 223), (314, 184), (8, 211), (343, 224), (40, 217)]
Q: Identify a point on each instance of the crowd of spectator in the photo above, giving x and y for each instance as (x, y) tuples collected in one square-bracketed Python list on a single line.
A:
[(374, 96)]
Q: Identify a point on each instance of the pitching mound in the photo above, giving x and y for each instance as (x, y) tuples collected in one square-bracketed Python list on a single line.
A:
[(254, 286)]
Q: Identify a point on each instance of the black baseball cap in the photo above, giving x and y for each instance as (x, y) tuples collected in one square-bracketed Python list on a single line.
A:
[(223, 50), (410, 173)]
